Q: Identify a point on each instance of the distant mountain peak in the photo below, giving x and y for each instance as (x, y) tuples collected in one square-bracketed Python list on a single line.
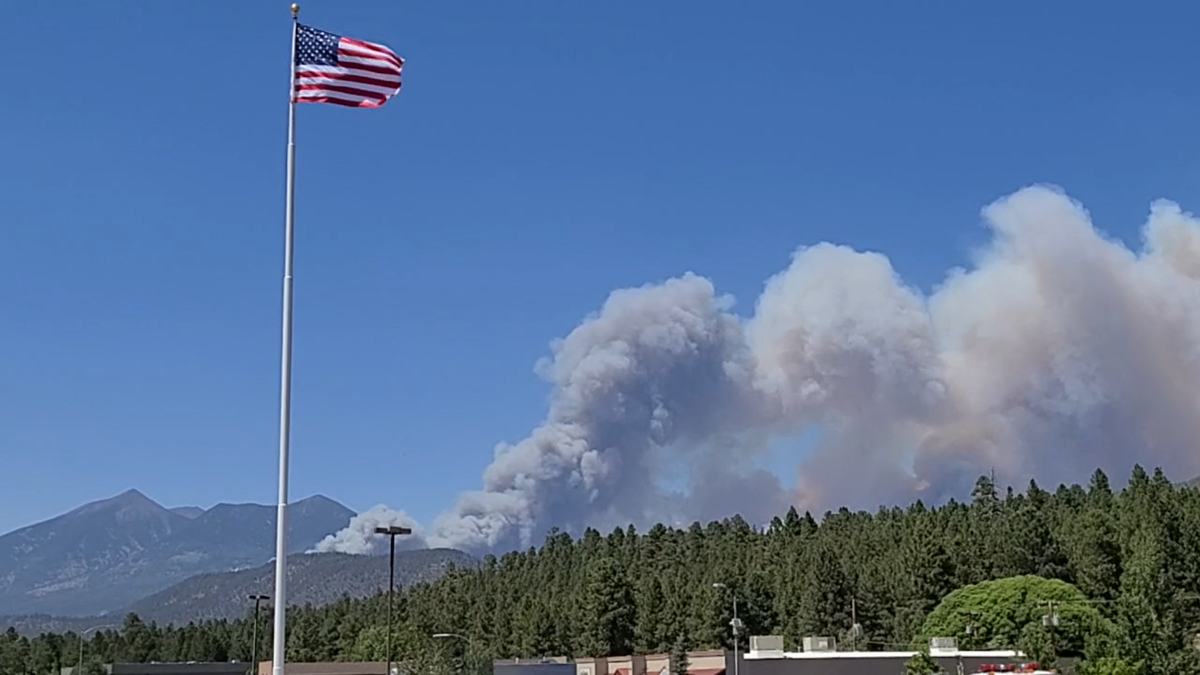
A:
[(129, 500), (318, 500), (133, 495)]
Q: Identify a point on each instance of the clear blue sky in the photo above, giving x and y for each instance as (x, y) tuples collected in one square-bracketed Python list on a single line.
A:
[(539, 155)]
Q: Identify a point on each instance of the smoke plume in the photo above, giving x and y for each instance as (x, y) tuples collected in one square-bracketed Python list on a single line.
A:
[(359, 536), (1058, 350)]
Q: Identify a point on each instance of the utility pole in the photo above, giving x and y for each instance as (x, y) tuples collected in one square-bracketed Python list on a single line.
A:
[(391, 531)]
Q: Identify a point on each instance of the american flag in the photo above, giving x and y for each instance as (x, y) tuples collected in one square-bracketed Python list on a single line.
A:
[(344, 71)]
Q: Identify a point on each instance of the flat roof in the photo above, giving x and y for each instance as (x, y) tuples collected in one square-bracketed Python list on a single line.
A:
[(971, 654)]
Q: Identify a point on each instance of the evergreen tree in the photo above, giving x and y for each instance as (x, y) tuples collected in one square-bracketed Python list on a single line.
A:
[(679, 656), (608, 616), (825, 595)]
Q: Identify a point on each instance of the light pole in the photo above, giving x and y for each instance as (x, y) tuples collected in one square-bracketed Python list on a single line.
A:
[(254, 632), (391, 531), (856, 628), (79, 671), (458, 636), (1050, 621), (735, 623)]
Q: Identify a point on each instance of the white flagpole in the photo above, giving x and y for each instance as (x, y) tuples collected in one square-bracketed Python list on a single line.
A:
[(285, 377)]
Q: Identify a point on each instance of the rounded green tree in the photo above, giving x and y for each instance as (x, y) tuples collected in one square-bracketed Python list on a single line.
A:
[(1042, 617)]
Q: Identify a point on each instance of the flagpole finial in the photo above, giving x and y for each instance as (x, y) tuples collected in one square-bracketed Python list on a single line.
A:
[(295, 9)]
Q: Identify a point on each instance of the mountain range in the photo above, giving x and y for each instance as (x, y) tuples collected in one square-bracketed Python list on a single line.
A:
[(107, 555), (314, 578)]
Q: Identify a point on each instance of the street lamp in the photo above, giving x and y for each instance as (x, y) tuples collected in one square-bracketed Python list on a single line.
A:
[(81, 636), (735, 623), (254, 644), (391, 531), (458, 636)]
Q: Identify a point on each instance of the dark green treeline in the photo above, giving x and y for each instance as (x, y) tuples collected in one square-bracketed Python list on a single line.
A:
[(1135, 553)]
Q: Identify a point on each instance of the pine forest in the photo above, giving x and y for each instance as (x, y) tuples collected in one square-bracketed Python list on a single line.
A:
[(1117, 569)]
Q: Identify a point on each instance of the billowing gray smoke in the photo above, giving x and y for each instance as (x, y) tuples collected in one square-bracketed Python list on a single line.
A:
[(1058, 351), (359, 536)]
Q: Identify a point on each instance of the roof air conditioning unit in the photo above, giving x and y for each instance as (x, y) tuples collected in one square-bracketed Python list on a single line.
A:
[(820, 644), (766, 645), (943, 644)]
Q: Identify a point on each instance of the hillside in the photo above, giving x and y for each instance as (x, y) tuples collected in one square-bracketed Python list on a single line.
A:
[(313, 578)]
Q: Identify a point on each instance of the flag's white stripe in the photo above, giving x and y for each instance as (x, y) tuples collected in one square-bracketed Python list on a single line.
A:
[(383, 77), (385, 91), (378, 63), (321, 93), (333, 71)]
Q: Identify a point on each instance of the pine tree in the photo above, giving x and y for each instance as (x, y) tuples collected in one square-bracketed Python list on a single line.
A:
[(608, 617), (679, 656)]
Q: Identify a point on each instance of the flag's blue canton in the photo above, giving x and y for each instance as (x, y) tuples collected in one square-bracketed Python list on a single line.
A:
[(316, 47)]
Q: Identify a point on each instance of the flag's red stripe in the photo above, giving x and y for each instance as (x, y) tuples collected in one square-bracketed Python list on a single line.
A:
[(382, 51), (347, 77), (382, 70), (372, 46), (388, 58), (305, 84), (349, 91), (337, 101), (342, 100)]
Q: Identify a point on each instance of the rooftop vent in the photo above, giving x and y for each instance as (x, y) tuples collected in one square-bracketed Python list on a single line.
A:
[(820, 644), (766, 645), (942, 645)]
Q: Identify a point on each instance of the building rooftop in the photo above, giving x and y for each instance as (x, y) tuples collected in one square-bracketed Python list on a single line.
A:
[(970, 654), (763, 647)]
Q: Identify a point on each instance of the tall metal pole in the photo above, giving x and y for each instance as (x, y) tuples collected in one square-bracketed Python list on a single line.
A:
[(391, 594), (854, 624), (391, 531), (734, 623), (254, 641), (257, 598), (285, 375), (735, 626)]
